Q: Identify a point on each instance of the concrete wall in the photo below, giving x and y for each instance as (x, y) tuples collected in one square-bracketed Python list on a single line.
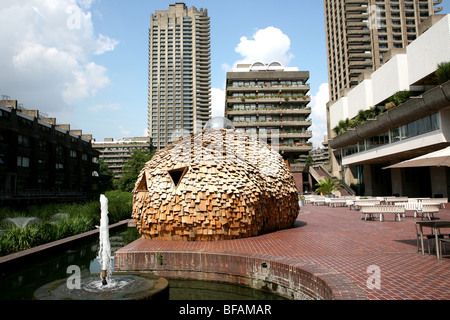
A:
[(428, 50), (360, 97), (338, 111), (390, 78)]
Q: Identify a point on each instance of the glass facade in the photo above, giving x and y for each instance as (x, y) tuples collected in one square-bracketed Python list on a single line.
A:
[(413, 129)]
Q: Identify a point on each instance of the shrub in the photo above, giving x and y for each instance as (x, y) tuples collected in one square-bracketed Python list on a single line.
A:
[(443, 72), (390, 105), (120, 205), (81, 218), (400, 97)]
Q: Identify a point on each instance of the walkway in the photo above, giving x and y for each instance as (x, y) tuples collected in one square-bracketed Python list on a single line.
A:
[(336, 238)]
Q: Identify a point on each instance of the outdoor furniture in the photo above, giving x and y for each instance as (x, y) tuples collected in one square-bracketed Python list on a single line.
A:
[(419, 236), (336, 201), (411, 206), (435, 226), (442, 241), (372, 210), (391, 200), (429, 209), (397, 211), (370, 202), (368, 211), (441, 201), (318, 201)]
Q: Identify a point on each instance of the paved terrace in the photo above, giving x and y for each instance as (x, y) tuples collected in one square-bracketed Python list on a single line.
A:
[(335, 244)]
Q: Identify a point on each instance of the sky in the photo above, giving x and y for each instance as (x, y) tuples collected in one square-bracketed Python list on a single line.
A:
[(85, 62)]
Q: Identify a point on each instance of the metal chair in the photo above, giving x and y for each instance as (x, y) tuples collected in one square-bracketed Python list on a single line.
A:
[(442, 241), (428, 237)]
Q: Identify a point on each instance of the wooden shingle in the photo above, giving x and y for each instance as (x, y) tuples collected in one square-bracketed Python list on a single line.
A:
[(226, 185)]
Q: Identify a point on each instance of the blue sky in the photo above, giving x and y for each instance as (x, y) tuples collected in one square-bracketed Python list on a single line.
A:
[(85, 61)]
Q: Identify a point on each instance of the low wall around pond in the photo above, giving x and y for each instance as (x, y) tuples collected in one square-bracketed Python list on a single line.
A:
[(288, 278)]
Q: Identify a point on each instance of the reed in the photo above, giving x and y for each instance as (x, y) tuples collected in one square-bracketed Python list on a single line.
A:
[(80, 218)]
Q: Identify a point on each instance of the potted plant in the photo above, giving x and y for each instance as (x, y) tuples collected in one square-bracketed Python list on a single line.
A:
[(301, 200), (327, 186)]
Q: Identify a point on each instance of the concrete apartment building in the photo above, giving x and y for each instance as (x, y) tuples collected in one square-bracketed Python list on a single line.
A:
[(179, 73), (116, 153), (41, 160), (359, 33), (416, 127), (271, 100)]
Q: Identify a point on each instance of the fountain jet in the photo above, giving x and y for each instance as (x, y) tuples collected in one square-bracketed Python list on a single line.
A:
[(104, 253)]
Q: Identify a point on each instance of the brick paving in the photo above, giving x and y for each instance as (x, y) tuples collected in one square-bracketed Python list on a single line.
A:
[(338, 240)]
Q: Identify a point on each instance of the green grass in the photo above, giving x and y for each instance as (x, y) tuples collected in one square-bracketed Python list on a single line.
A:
[(81, 218)]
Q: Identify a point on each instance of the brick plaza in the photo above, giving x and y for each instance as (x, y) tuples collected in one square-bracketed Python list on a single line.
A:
[(333, 243)]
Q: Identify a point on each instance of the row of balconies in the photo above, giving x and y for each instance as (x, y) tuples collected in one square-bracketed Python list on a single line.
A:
[(277, 111), (270, 99), (297, 135), (279, 123), (294, 148), (278, 88)]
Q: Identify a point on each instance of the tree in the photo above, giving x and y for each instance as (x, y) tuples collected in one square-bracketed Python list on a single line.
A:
[(327, 186), (309, 161), (132, 168), (106, 176)]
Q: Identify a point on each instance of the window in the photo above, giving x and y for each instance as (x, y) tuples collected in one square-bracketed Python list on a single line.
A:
[(395, 135), (23, 141), (23, 162), (177, 175), (59, 151), (143, 184)]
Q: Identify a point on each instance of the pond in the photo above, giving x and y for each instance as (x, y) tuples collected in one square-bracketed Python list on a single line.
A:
[(20, 283)]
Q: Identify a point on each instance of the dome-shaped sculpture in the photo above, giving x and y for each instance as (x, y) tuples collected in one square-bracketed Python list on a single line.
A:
[(214, 185), (219, 123)]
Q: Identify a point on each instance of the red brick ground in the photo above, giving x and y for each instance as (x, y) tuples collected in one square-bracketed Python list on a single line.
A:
[(336, 238)]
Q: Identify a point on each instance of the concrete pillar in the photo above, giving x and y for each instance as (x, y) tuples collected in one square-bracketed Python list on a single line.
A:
[(438, 181), (396, 178)]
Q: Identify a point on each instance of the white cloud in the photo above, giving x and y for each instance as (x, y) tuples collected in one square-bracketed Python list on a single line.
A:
[(105, 107), (105, 44), (86, 82), (46, 54), (319, 114), (266, 45), (125, 132), (217, 102)]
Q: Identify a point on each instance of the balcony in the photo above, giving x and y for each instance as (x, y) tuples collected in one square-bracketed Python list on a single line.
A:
[(295, 135), (269, 99), (277, 111), (295, 149), (302, 89), (278, 123)]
